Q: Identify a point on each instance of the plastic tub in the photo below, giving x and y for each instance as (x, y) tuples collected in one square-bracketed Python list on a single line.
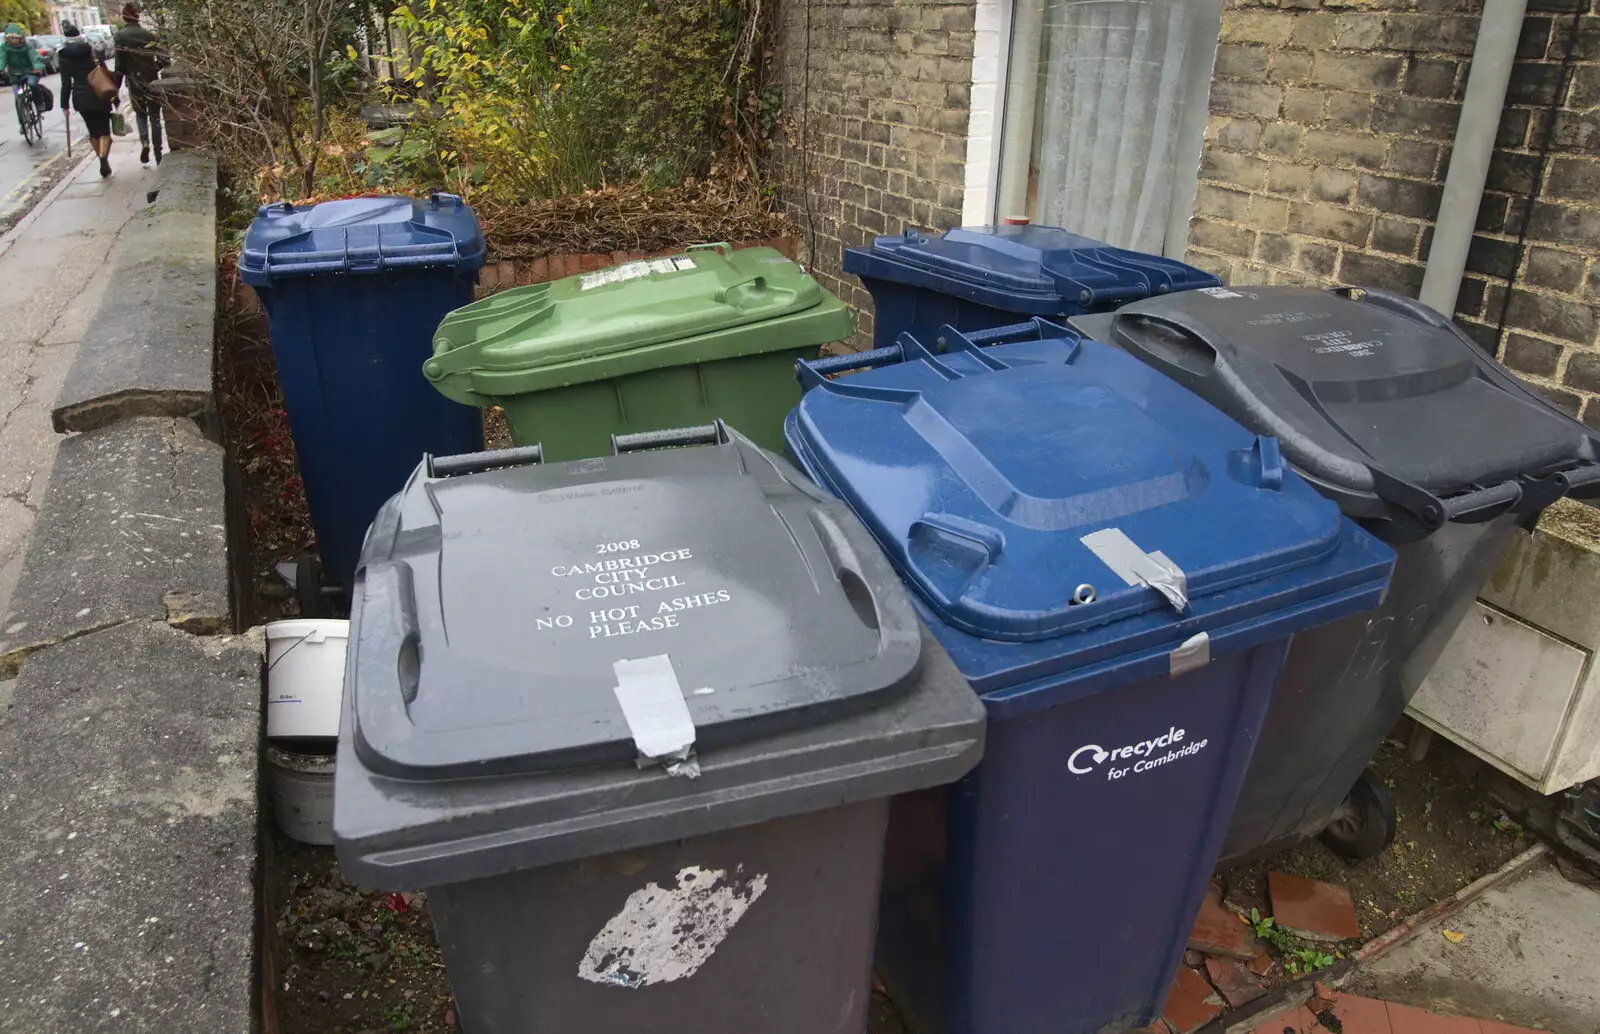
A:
[(305, 677)]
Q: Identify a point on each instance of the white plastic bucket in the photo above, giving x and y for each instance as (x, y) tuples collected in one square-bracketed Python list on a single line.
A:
[(305, 677)]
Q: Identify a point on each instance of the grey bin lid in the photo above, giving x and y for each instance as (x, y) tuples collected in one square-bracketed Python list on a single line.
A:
[(483, 728), (1383, 404)]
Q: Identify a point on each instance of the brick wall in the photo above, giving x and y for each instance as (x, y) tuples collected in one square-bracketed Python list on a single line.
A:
[(875, 100), (1327, 149)]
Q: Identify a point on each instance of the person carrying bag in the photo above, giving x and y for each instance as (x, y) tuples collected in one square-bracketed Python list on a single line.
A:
[(86, 84)]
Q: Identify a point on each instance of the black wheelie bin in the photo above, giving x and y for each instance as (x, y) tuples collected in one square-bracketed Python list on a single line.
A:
[(1392, 411)]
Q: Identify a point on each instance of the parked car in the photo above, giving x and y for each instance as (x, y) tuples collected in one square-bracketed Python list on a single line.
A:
[(100, 37), (47, 47)]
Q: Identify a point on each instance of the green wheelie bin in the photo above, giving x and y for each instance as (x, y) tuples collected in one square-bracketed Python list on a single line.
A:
[(670, 342)]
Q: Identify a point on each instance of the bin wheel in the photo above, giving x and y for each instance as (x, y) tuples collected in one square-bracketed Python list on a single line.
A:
[(1365, 823), (308, 586)]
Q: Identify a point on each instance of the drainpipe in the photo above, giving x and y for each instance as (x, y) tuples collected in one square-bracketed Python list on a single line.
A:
[(1492, 58), (1021, 96)]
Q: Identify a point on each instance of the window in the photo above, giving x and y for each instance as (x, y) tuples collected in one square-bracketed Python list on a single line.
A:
[(1104, 117)]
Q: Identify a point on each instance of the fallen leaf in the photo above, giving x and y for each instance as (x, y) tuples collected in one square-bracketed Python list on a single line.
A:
[(1453, 937)]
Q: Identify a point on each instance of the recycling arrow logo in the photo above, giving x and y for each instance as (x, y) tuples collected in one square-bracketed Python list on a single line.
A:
[(1096, 752)]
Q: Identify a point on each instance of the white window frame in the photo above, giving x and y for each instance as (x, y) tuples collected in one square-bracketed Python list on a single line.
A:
[(991, 58)]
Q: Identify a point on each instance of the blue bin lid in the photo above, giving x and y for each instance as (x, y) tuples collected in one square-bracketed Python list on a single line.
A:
[(1040, 270), (1006, 481), (361, 235)]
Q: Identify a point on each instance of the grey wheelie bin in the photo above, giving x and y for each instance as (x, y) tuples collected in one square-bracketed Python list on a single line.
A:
[(1391, 411), (634, 722)]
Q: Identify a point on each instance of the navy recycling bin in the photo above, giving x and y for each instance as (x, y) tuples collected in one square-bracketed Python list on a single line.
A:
[(979, 278), (353, 291), (1117, 568)]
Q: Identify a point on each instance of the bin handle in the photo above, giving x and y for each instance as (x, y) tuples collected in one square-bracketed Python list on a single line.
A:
[(981, 544), (1573, 480), (949, 340), (1180, 347), (1482, 505), (722, 247), (437, 195), (477, 462), (391, 598), (704, 434), (1036, 329), (1395, 303), (813, 373)]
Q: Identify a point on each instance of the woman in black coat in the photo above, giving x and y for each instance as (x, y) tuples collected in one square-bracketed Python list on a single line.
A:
[(75, 60)]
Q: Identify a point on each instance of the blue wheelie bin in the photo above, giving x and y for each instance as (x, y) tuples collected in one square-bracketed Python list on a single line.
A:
[(353, 291), (1117, 568), (983, 277)]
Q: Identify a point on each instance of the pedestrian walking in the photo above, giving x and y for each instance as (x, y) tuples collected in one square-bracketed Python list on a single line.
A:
[(76, 60), (139, 61)]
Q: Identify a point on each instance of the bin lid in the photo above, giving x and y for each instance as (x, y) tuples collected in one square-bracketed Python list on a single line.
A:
[(512, 613), (361, 235), (1046, 484), (768, 621), (1033, 269), (710, 303), (1386, 406)]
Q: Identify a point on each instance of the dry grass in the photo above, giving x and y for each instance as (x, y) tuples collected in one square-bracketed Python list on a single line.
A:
[(629, 219), (256, 428)]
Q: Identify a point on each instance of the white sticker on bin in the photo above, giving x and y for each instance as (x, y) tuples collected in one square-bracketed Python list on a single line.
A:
[(666, 933), (1136, 567), (1194, 652), (634, 270), (653, 705)]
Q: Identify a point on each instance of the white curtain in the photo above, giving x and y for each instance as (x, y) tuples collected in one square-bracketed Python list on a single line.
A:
[(1109, 112)]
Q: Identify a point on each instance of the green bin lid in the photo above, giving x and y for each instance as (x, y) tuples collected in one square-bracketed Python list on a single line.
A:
[(626, 319)]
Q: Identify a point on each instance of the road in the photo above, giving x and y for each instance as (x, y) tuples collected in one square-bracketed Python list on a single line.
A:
[(27, 170), (54, 265)]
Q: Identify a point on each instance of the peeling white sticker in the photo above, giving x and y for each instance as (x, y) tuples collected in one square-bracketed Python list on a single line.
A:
[(666, 934), (652, 703), (1220, 292), (634, 270), (1194, 652)]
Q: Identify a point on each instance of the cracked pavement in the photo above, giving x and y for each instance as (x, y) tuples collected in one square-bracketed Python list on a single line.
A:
[(54, 267)]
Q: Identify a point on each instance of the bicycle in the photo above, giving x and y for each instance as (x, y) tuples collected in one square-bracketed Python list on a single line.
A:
[(28, 117)]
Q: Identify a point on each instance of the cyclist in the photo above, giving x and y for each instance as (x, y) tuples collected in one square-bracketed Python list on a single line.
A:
[(22, 62)]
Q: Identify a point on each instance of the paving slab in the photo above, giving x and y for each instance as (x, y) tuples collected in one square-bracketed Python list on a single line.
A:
[(1313, 909), (1218, 931), (147, 350), (52, 287), (1237, 985), (133, 522), (1527, 957), (128, 842), (1191, 1002)]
